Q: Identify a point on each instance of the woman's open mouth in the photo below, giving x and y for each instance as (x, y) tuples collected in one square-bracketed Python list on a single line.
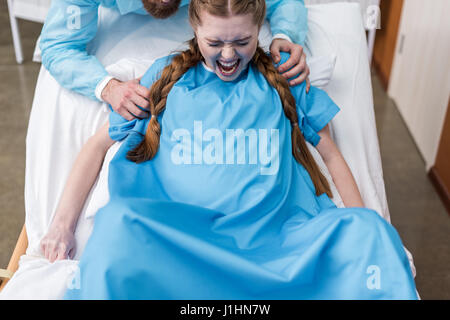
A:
[(228, 69)]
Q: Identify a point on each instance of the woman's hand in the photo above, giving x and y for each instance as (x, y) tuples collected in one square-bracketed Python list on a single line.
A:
[(296, 64), (58, 243)]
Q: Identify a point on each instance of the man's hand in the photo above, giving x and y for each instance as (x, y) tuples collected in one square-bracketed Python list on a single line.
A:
[(127, 98), (296, 64)]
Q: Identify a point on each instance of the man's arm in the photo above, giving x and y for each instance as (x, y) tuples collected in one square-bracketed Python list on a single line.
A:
[(288, 18), (69, 26)]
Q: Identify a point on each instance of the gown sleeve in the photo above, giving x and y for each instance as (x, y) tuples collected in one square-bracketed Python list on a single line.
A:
[(70, 25), (119, 127), (289, 17), (315, 109)]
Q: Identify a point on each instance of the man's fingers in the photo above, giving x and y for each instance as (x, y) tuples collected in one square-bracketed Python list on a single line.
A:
[(301, 77), (143, 91), (136, 111), (275, 53), (141, 103), (295, 71), (298, 80), (140, 99), (125, 114), (130, 112), (292, 61), (308, 85)]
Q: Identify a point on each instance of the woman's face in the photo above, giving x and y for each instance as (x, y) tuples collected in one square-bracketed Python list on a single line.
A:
[(227, 43)]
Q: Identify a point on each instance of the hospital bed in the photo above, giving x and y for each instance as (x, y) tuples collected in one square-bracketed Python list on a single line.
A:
[(337, 55)]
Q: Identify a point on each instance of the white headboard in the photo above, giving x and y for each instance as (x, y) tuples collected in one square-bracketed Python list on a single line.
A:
[(34, 10)]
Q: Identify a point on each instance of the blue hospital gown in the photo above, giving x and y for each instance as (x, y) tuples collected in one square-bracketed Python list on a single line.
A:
[(223, 211)]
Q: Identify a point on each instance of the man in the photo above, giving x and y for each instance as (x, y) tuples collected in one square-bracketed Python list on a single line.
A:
[(71, 24)]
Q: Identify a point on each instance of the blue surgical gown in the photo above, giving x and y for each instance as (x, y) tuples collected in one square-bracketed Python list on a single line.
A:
[(224, 211), (63, 42)]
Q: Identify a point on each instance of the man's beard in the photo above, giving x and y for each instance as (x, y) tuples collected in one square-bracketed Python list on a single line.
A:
[(160, 10)]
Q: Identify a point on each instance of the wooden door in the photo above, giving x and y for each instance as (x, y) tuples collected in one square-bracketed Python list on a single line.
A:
[(440, 173), (386, 38)]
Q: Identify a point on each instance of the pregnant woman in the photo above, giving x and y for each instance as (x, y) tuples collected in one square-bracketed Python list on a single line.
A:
[(216, 195)]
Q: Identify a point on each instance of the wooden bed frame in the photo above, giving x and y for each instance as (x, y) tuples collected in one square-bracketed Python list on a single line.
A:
[(13, 265)]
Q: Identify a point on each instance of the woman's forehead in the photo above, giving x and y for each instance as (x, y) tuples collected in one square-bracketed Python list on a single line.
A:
[(226, 28)]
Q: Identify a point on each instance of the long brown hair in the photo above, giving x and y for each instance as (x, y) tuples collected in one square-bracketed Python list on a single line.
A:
[(181, 63)]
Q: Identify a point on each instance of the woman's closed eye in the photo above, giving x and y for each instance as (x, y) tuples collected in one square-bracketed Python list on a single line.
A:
[(217, 44)]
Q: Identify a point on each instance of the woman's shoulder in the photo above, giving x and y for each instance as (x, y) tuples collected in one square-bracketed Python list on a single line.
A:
[(154, 71)]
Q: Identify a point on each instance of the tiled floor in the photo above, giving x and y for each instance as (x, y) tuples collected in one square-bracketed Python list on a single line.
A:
[(17, 84), (416, 210)]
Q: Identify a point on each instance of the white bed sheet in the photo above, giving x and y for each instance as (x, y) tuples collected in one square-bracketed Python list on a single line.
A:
[(61, 121)]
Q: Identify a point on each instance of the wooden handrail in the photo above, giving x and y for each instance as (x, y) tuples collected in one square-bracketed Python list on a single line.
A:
[(19, 250)]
